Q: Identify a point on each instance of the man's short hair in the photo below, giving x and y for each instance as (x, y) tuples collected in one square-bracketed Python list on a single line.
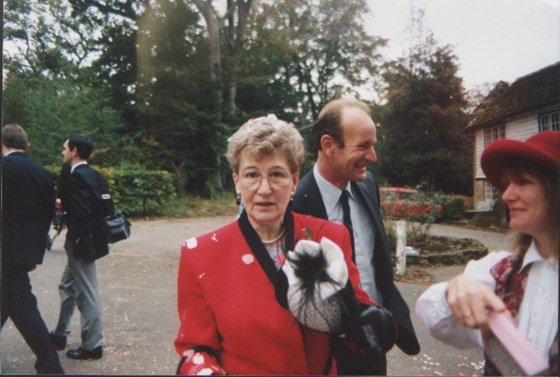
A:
[(330, 116), (83, 144), (14, 136)]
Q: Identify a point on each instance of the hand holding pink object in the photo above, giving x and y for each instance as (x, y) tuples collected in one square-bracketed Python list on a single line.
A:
[(519, 358), (470, 300)]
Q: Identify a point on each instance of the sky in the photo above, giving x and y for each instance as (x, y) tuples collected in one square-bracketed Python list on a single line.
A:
[(494, 40)]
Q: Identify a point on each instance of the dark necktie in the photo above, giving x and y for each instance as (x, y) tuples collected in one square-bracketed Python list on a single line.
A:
[(346, 218)]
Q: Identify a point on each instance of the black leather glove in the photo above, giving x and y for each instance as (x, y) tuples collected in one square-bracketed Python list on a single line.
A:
[(360, 346), (378, 330)]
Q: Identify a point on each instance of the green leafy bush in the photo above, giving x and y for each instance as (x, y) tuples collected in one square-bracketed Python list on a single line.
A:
[(138, 192), (135, 191), (443, 208), (452, 208), (192, 206)]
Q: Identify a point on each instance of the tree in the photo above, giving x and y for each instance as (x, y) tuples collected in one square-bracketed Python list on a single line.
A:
[(476, 95), (180, 76), (153, 56), (46, 40), (422, 129), (51, 109), (232, 26), (323, 51), (174, 107), (49, 86)]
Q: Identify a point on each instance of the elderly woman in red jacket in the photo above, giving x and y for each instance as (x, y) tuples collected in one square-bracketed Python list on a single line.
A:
[(266, 293)]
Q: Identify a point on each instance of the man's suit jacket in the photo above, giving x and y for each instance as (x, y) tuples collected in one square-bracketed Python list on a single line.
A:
[(308, 200), (28, 201), (85, 231)]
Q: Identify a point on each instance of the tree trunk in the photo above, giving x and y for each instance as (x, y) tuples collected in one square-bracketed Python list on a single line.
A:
[(213, 27)]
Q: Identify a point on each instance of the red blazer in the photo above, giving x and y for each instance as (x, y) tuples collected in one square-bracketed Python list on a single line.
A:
[(226, 302)]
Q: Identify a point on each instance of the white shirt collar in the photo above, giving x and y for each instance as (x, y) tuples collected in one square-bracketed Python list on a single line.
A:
[(329, 192), (533, 255), (14, 151), (78, 164)]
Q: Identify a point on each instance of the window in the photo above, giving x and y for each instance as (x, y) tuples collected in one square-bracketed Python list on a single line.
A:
[(490, 192), (549, 122), (494, 133)]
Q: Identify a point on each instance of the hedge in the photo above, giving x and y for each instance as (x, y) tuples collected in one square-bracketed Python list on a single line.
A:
[(453, 209), (136, 192)]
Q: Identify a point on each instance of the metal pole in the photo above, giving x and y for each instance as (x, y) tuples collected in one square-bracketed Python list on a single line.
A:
[(401, 246)]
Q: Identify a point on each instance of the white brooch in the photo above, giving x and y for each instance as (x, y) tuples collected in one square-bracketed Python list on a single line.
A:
[(248, 258)]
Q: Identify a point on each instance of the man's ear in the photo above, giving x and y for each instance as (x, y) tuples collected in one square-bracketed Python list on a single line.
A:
[(327, 144), (75, 152)]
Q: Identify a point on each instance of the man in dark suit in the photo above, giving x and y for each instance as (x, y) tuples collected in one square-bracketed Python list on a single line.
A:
[(28, 208), (84, 244), (345, 136)]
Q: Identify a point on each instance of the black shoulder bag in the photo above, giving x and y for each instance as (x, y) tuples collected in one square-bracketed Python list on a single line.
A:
[(115, 226)]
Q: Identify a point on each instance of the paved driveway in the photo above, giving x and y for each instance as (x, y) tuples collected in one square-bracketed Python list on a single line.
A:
[(138, 292)]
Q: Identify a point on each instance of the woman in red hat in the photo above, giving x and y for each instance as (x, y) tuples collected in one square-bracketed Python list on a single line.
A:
[(521, 282)]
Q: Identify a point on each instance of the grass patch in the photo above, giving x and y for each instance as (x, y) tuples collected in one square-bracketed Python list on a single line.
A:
[(186, 206)]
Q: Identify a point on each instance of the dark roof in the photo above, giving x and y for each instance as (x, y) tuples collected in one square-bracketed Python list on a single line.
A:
[(535, 91)]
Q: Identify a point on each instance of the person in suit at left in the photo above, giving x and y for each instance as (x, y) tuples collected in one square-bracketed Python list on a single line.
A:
[(28, 208), (345, 136), (83, 245)]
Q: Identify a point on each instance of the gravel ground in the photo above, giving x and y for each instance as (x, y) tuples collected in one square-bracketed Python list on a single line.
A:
[(137, 284)]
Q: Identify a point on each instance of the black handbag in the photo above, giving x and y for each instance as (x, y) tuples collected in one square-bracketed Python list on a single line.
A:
[(117, 227)]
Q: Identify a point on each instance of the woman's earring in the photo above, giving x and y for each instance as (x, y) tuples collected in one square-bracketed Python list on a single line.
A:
[(292, 197), (238, 199)]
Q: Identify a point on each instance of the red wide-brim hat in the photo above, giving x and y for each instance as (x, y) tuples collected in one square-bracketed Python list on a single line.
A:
[(542, 149)]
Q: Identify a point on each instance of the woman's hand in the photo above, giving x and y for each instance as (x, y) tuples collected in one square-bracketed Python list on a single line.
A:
[(195, 363), (470, 300)]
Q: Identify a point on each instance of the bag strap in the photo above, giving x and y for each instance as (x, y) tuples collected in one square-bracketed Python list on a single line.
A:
[(108, 204), (95, 183)]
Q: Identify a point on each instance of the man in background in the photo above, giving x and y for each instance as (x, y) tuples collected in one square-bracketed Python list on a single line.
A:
[(83, 245), (345, 136), (27, 210)]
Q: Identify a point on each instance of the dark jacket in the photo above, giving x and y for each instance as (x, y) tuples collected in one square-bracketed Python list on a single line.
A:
[(308, 200), (85, 229), (28, 208)]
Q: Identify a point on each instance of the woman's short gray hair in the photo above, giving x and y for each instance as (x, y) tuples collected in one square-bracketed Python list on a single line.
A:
[(263, 136)]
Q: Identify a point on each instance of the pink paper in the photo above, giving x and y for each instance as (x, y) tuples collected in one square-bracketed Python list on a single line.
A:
[(515, 344)]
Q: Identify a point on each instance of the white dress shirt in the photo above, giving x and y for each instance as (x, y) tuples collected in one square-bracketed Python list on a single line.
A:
[(362, 230)]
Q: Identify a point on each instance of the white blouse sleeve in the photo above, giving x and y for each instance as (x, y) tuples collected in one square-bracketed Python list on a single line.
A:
[(434, 312)]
